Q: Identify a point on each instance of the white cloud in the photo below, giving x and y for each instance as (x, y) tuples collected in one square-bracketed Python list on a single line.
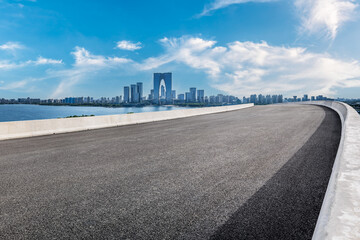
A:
[(86, 65), (6, 64), (11, 46), (325, 15), (84, 58), (14, 85), (43, 61), (218, 4), (188, 50), (242, 68), (128, 45)]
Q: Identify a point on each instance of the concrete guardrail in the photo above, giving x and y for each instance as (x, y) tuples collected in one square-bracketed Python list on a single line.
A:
[(21, 129), (340, 212)]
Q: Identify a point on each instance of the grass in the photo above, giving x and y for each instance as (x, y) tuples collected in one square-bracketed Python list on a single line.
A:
[(76, 116)]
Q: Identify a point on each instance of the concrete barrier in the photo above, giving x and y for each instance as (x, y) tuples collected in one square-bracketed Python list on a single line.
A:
[(340, 212), (21, 129)]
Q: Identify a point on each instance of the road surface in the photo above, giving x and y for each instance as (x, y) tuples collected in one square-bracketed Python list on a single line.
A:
[(256, 173)]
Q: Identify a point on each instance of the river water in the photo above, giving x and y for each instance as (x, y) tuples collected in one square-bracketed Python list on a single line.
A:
[(20, 112)]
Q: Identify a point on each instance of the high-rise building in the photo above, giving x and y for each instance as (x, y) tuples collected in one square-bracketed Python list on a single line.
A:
[(139, 89), (219, 98), (200, 96), (151, 95), (268, 99), (306, 97), (126, 94), (253, 98), (261, 99), (133, 91), (192, 94), (162, 95), (166, 78), (181, 97), (173, 94), (319, 97), (274, 99), (187, 97), (245, 100)]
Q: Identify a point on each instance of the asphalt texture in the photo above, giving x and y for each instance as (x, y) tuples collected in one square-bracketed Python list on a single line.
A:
[(257, 173)]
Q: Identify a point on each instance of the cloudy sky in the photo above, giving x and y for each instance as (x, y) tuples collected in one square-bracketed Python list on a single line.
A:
[(53, 49)]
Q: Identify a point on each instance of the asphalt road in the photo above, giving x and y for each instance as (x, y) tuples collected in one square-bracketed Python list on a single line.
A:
[(255, 173)]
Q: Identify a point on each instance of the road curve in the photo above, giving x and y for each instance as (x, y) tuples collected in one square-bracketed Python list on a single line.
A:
[(254, 173)]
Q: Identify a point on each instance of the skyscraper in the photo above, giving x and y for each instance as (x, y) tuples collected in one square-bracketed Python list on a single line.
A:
[(181, 97), (253, 98), (166, 78), (187, 97), (192, 94), (151, 95), (134, 94), (162, 95), (139, 89), (200, 96), (126, 94)]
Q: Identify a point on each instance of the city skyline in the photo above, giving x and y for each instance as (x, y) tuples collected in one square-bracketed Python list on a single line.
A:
[(134, 93), (230, 47)]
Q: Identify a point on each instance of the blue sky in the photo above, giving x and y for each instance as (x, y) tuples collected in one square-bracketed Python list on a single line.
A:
[(53, 49)]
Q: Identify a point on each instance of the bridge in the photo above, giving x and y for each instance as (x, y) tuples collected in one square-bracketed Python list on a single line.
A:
[(264, 172)]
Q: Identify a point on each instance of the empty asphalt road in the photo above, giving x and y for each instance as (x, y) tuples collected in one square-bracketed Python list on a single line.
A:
[(257, 173)]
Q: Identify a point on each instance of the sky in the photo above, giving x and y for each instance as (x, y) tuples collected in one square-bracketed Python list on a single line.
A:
[(55, 49)]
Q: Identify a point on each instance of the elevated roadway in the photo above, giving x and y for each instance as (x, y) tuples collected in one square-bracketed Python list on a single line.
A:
[(256, 173)]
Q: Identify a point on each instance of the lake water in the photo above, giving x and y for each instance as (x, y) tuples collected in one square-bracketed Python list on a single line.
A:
[(20, 112)]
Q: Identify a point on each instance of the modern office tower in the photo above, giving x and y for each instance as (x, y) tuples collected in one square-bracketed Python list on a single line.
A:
[(187, 97), (267, 99), (244, 100), (117, 99), (192, 94), (280, 98), (126, 94), (319, 98), (312, 98), (219, 98), (206, 99), (162, 95), (261, 99), (253, 98), (181, 97), (151, 95), (306, 97), (173, 94), (133, 91), (200, 96), (139, 89), (274, 99), (294, 98), (167, 79), (212, 99)]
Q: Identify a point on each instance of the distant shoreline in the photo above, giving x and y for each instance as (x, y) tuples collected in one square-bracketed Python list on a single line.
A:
[(121, 105)]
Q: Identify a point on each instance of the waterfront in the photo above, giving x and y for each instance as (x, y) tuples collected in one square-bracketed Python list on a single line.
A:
[(21, 112)]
